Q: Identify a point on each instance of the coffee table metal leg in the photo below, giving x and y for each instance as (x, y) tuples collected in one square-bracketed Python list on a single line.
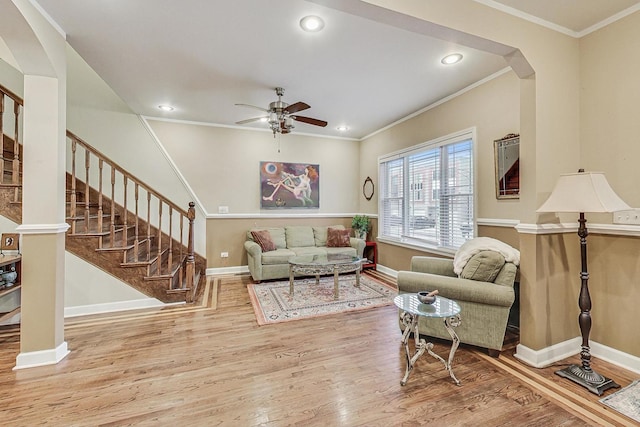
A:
[(411, 325), (291, 280), (336, 287), (358, 277), (449, 324)]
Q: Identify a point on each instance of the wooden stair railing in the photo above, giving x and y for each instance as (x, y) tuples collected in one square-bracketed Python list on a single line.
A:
[(157, 242), (13, 172), (153, 249)]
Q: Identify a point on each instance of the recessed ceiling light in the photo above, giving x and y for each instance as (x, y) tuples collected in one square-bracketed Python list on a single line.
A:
[(452, 59), (264, 119), (165, 107), (312, 23), (342, 128)]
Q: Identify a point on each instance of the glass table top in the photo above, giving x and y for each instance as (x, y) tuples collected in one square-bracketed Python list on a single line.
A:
[(324, 259), (443, 307)]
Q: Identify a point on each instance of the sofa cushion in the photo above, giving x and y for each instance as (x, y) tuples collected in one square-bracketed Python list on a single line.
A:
[(299, 236), (320, 234), (483, 266), (277, 236), (263, 238), (337, 238), (351, 251), (309, 250), (279, 256)]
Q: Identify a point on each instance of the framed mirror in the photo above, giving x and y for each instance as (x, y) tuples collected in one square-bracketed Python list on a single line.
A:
[(368, 188), (507, 162)]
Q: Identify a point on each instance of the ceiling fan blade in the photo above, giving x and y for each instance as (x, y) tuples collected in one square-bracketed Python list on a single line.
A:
[(253, 106), (310, 121), (255, 119), (298, 106)]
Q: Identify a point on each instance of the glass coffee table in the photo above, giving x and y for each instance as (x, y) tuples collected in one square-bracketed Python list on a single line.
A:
[(412, 309), (316, 265)]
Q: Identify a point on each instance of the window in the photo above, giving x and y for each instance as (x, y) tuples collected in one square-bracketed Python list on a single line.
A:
[(427, 193)]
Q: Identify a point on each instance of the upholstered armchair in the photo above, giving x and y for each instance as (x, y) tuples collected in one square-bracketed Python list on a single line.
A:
[(485, 296)]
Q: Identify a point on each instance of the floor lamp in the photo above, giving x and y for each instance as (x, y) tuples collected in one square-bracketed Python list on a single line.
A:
[(584, 192)]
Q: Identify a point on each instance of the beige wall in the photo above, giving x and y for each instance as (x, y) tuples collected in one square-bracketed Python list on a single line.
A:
[(229, 235), (225, 172), (492, 108), (577, 110), (609, 107), (563, 129), (223, 165)]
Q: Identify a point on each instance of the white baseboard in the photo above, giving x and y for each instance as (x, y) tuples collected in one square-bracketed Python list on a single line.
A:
[(387, 271), (41, 357), (83, 310), (617, 357), (549, 355), (241, 269)]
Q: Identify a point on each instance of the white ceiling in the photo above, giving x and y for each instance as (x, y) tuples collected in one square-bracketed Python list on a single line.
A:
[(204, 56)]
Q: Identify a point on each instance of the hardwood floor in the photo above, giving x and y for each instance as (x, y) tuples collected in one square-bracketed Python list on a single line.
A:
[(212, 365)]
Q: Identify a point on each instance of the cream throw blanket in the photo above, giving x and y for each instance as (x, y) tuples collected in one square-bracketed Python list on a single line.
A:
[(473, 246)]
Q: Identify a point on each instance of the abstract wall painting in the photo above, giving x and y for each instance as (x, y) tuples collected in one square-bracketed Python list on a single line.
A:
[(289, 185)]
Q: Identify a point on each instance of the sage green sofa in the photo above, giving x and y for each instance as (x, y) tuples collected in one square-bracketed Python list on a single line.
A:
[(484, 305), (291, 241)]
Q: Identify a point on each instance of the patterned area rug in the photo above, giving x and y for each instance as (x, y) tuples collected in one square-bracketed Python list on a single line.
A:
[(626, 401), (273, 304)]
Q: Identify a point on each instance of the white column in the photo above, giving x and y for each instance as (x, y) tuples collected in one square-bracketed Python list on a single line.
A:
[(43, 223)]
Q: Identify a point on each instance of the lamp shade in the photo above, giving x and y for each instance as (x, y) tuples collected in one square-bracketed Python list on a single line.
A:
[(583, 192)]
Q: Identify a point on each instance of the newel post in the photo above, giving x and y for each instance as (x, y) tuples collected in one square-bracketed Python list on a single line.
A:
[(191, 259)]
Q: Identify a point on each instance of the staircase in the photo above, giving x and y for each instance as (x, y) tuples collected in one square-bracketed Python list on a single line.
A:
[(117, 222)]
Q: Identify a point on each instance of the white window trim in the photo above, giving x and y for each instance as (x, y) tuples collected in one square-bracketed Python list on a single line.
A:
[(407, 242)]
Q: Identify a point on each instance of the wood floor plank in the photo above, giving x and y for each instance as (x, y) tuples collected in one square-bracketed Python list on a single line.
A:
[(211, 364)]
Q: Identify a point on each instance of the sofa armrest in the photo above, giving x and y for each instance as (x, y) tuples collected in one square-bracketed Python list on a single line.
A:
[(433, 265), (253, 249), (358, 245), (456, 288)]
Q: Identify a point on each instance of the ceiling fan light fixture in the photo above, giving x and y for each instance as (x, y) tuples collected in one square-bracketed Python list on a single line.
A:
[(288, 123), (452, 59), (312, 23)]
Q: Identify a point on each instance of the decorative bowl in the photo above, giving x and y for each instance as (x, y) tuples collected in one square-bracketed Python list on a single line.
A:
[(426, 297)]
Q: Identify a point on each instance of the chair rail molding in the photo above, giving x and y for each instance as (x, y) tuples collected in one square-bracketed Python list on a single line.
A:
[(261, 215), (42, 228), (497, 222), (560, 228)]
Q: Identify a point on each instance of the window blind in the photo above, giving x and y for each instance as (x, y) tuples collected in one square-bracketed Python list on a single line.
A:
[(427, 194)]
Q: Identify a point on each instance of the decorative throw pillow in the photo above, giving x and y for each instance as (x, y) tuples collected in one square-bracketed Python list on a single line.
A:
[(483, 266), (263, 238), (337, 238)]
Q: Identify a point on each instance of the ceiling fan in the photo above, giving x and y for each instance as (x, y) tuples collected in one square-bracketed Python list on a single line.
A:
[(281, 115)]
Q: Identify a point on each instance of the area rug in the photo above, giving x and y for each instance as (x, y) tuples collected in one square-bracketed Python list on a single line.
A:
[(273, 304), (626, 401)]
